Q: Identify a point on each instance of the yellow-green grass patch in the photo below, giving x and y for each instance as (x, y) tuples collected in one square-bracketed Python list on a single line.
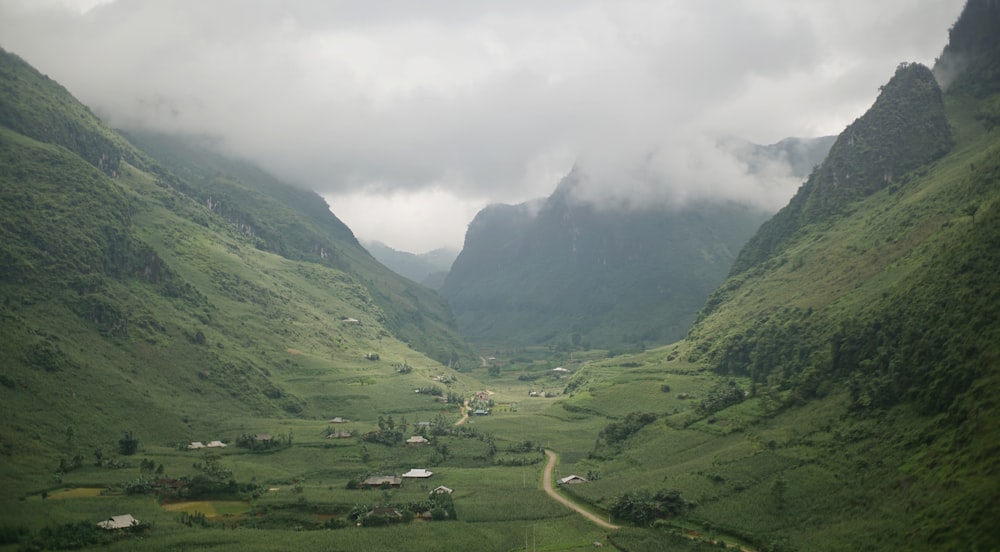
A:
[(211, 508)]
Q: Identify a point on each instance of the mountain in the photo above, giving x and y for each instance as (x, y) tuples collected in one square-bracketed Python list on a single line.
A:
[(151, 285), (427, 268), (868, 310), (567, 272), (905, 128)]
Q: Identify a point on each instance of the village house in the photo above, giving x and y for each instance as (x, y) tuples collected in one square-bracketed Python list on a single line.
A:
[(123, 521), (380, 480), (441, 489), (416, 441), (418, 473), (339, 420), (572, 480), (483, 396), (199, 445)]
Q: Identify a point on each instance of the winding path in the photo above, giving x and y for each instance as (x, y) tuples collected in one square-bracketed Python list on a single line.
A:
[(464, 409), (550, 466)]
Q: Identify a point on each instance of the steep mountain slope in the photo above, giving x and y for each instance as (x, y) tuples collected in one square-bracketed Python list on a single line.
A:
[(297, 224), (575, 273), (137, 299), (874, 293), (569, 273), (905, 129)]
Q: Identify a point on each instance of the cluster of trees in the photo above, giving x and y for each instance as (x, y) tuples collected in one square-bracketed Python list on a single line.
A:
[(389, 433), (616, 432), (722, 396), (128, 444), (68, 536), (439, 506), (642, 507), (260, 442)]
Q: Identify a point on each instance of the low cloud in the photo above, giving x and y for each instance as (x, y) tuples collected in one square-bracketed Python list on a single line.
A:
[(483, 101)]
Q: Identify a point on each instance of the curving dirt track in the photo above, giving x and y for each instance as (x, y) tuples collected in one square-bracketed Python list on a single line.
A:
[(550, 466)]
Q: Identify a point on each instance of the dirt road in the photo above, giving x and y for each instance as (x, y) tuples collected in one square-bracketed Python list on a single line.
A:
[(464, 409), (547, 485)]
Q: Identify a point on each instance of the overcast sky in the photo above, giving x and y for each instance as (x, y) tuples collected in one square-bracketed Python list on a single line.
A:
[(409, 116)]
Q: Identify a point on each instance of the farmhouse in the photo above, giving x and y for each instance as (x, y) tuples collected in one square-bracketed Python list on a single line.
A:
[(442, 490), (216, 444), (572, 480), (262, 437), (196, 445), (483, 396), (482, 412), (417, 441), (123, 521), (339, 420), (351, 321), (418, 472), (560, 370), (379, 480)]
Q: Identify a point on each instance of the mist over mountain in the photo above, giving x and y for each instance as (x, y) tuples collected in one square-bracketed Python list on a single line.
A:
[(574, 270), (904, 129), (153, 263), (191, 341), (873, 293)]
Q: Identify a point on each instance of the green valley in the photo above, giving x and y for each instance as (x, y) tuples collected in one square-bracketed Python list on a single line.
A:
[(189, 341)]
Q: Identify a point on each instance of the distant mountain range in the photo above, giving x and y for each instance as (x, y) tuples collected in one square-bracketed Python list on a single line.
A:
[(428, 268), (570, 273)]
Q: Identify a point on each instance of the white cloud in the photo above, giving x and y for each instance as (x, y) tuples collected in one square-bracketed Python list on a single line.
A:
[(479, 101), (415, 221)]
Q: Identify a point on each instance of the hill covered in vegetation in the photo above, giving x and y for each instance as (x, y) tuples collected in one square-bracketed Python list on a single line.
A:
[(856, 340), (837, 391), (147, 282)]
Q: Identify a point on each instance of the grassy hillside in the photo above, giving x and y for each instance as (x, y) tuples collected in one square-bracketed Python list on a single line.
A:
[(904, 129), (865, 342), (838, 390), (129, 303), (297, 224)]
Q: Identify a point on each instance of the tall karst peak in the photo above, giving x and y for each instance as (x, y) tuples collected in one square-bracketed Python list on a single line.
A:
[(904, 129)]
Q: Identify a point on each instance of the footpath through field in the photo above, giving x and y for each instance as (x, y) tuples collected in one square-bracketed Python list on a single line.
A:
[(547, 485), (464, 409)]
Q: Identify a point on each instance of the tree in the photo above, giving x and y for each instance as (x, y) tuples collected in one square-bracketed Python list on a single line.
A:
[(970, 211), (128, 444)]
